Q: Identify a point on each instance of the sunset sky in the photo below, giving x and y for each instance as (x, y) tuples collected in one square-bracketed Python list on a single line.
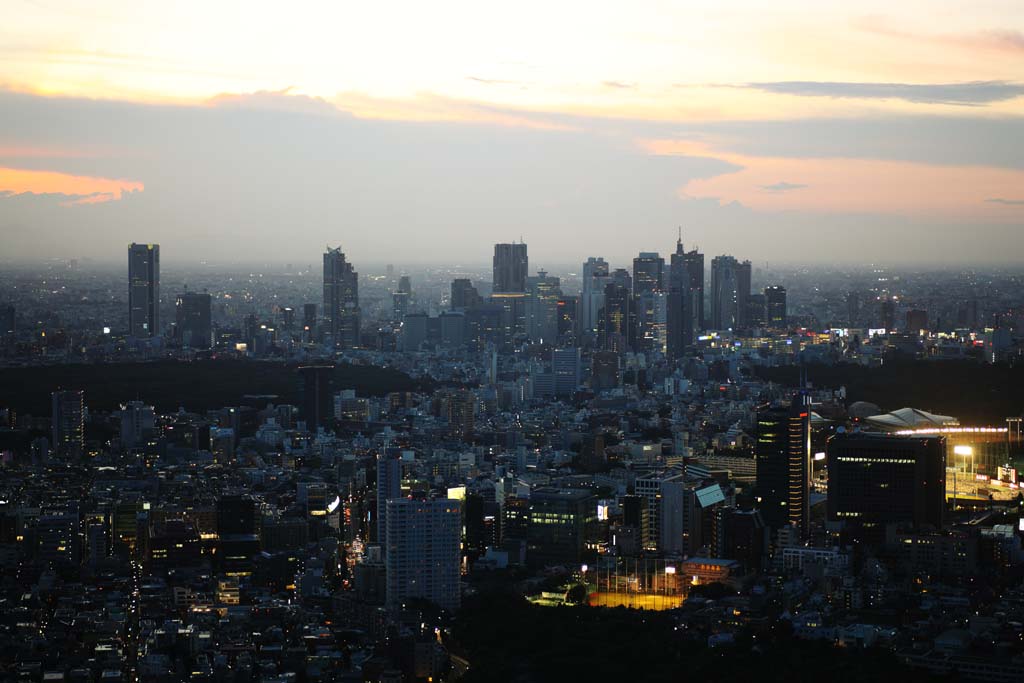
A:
[(783, 131)]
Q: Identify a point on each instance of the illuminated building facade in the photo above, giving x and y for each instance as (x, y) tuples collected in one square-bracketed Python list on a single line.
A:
[(783, 452)]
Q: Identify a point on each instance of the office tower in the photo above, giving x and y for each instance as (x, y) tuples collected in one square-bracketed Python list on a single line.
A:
[(568, 319), (461, 413), (341, 299), (679, 304), (402, 297), (665, 495), (695, 272), (317, 389), (236, 515), (617, 333), (917, 320), (595, 274), (775, 306), (783, 453), (565, 366), (389, 486), (511, 266), (757, 311), (57, 539), (144, 290), (542, 307), (7, 321), (423, 555), (853, 308), (560, 522), (879, 479), (743, 277), (68, 422), (730, 288), (137, 423), (464, 294), (648, 284), (192, 320)]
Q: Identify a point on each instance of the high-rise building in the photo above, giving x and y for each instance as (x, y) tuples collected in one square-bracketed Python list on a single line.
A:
[(68, 425), (565, 366), (402, 297), (887, 315), (617, 318), (464, 294), (604, 370), (542, 307), (665, 495), (511, 266), (879, 479), (341, 299), (695, 272), (423, 554), (236, 515), (461, 413), (309, 317), (389, 486), (775, 306), (595, 274), (192, 325), (757, 310), (730, 288), (137, 423), (317, 388), (680, 308), (783, 453), (648, 304), (560, 521), (144, 290), (917, 320)]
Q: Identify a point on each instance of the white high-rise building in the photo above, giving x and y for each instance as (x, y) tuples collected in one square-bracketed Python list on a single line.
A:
[(423, 556)]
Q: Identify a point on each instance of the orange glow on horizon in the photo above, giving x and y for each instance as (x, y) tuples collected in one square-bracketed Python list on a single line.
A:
[(79, 189)]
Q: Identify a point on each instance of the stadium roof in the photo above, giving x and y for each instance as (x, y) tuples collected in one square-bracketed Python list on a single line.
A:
[(910, 418)]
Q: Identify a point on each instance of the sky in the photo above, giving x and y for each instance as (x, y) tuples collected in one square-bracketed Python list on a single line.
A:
[(795, 131)]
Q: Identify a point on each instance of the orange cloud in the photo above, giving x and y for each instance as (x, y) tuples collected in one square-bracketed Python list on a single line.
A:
[(78, 189), (832, 185)]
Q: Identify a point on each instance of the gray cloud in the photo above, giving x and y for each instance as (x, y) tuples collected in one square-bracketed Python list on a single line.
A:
[(268, 181), (782, 187), (973, 93), (1009, 202)]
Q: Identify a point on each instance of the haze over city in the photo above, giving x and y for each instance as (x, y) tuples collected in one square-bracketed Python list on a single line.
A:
[(803, 133)]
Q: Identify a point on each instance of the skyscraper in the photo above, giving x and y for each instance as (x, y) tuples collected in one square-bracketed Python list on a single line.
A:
[(402, 297), (775, 306), (341, 299), (423, 554), (144, 290), (695, 272), (68, 424), (511, 266), (648, 301), (595, 274), (783, 453), (680, 307), (389, 486), (617, 319), (192, 320), (542, 307), (730, 289)]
